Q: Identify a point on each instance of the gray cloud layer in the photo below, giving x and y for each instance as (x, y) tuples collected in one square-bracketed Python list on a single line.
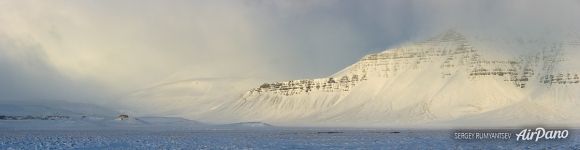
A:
[(52, 48)]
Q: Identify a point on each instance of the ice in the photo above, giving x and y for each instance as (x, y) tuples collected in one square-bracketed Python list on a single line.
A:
[(248, 125), (259, 139)]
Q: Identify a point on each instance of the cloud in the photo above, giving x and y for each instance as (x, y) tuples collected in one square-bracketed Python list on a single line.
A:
[(26, 76), (124, 45)]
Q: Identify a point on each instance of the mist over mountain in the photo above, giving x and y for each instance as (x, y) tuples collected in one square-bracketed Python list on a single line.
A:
[(224, 61)]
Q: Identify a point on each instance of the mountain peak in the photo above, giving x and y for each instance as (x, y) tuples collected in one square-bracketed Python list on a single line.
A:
[(449, 36)]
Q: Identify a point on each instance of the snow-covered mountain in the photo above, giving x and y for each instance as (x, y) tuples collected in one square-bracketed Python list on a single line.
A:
[(453, 79), (447, 79)]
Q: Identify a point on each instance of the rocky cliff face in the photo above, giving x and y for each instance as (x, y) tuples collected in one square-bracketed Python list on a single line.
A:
[(450, 51)]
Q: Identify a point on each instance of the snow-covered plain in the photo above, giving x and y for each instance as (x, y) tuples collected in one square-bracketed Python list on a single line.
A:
[(260, 139)]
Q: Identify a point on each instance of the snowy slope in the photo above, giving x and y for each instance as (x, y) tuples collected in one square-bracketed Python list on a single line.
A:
[(194, 98)]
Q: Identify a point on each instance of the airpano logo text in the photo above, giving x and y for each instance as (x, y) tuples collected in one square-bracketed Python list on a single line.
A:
[(541, 134)]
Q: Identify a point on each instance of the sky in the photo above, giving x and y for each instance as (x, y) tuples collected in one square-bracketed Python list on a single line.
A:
[(86, 51)]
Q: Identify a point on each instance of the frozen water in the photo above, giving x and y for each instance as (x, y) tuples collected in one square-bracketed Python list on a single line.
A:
[(259, 139)]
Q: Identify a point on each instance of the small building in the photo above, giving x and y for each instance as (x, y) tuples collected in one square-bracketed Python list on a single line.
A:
[(123, 117)]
